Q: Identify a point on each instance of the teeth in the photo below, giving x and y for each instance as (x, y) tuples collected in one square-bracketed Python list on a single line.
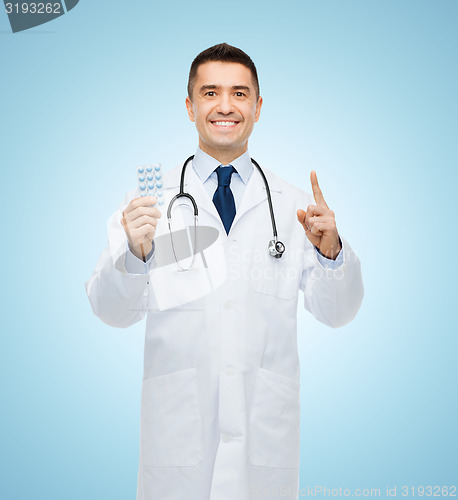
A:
[(224, 124)]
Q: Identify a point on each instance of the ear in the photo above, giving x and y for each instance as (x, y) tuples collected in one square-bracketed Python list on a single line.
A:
[(258, 109), (190, 109)]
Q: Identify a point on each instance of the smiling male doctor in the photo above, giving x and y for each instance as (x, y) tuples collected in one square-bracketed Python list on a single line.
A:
[(220, 396)]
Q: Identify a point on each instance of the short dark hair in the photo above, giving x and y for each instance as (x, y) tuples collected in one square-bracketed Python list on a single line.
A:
[(222, 52)]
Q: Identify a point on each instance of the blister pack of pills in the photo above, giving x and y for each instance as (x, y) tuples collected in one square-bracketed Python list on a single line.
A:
[(149, 181)]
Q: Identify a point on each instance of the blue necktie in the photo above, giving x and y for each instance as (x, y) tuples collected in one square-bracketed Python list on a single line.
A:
[(223, 197)]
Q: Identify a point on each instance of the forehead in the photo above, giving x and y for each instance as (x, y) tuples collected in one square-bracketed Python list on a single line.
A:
[(224, 74)]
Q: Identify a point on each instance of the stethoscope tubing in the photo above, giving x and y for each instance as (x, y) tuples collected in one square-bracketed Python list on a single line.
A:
[(276, 244)]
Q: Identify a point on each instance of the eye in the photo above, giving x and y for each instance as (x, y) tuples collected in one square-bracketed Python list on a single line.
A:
[(240, 94), (210, 93)]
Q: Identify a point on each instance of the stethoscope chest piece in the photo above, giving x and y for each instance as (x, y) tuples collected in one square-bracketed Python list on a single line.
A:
[(276, 248)]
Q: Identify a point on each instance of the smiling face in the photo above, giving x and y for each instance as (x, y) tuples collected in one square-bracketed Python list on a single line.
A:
[(225, 108)]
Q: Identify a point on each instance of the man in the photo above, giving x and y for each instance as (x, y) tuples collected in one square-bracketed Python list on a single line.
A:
[(220, 396)]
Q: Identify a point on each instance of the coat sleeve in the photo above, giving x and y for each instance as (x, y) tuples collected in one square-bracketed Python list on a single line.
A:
[(332, 295), (117, 297)]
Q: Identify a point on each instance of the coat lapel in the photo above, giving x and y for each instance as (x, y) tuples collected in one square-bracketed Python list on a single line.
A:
[(192, 185), (255, 192)]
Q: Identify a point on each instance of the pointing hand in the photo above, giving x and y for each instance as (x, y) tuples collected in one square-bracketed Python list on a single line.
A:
[(319, 223)]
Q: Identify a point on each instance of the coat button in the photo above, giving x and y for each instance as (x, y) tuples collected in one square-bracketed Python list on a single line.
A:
[(227, 438), (227, 305), (230, 372)]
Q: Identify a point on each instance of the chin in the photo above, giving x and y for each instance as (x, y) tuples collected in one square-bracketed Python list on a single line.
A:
[(225, 143)]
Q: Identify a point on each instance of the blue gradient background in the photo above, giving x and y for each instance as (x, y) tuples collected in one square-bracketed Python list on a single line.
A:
[(364, 92)]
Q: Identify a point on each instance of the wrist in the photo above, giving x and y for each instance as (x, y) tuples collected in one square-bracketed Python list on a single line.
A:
[(142, 251), (332, 252)]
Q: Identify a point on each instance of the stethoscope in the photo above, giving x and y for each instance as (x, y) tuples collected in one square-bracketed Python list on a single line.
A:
[(275, 247)]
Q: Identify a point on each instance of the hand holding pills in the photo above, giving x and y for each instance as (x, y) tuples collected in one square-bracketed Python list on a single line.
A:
[(140, 216)]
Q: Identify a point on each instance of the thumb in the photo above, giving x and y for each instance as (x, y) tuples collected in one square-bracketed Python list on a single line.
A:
[(301, 218)]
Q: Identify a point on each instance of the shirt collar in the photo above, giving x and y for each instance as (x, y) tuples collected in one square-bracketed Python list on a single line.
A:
[(204, 165)]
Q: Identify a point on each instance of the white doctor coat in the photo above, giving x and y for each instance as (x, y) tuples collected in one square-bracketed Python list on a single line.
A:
[(220, 395)]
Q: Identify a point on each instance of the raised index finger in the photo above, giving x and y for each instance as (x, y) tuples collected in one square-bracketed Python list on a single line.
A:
[(317, 194)]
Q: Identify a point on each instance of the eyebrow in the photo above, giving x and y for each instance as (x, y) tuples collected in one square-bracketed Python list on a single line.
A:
[(217, 87)]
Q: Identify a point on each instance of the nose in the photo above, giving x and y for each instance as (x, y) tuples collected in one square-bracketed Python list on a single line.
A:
[(225, 105)]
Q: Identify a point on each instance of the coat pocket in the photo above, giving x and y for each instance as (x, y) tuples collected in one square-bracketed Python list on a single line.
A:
[(274, 430), (276, 277), (171, 428)]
